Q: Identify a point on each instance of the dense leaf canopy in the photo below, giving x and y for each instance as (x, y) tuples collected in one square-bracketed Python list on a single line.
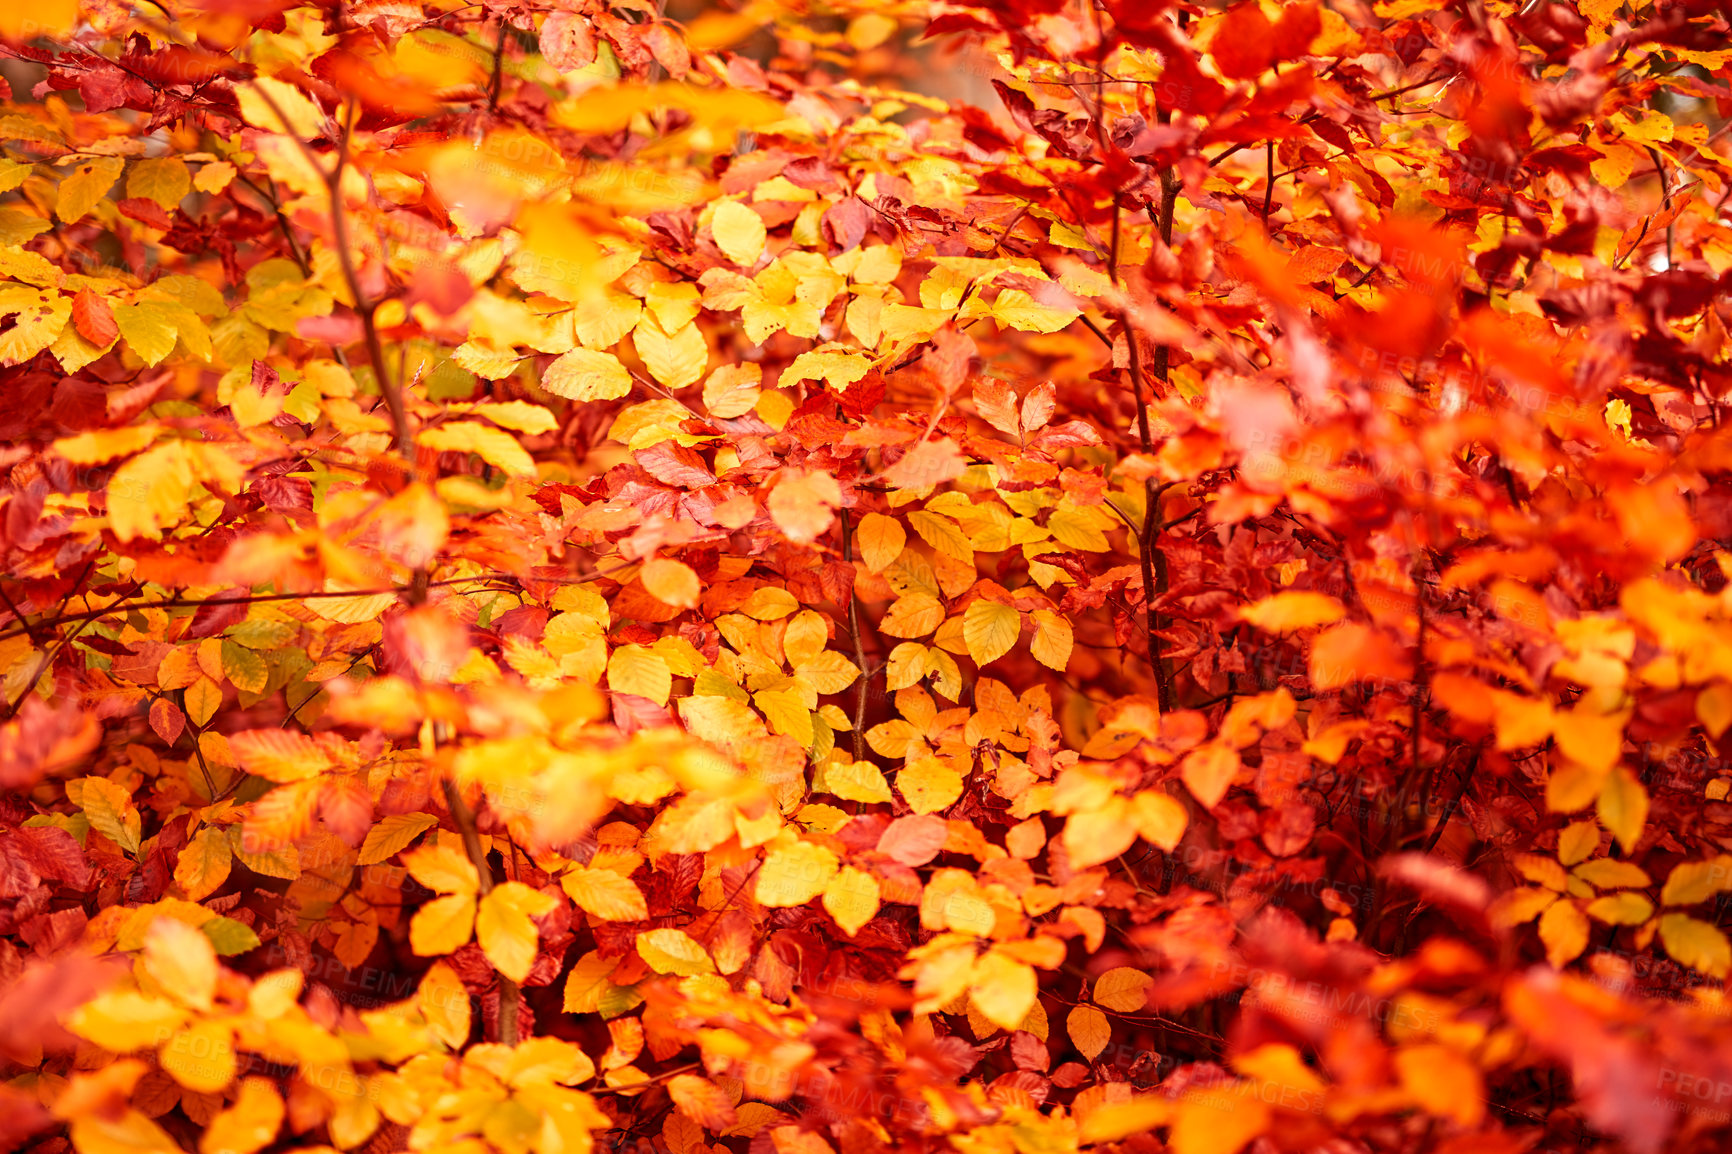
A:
[(1002, 576)]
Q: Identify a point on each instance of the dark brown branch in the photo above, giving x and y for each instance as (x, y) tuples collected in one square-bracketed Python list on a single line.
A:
[(465, 819)]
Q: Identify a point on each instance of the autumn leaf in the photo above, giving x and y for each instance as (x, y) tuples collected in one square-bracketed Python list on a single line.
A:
[(503, 927), (605, 895)]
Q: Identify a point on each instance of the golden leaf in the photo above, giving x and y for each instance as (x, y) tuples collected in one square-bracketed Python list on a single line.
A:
[(1122, 989), (671, 582), (671, 951), (587, 375), (444, 1002), (674, 359), (1089, 1031), (929, 785), (851, 898), (249, 1125), (88, 184), (443, 925), (739, 232), (795, 874), (505, 929), (1291, 611), (604, 894)]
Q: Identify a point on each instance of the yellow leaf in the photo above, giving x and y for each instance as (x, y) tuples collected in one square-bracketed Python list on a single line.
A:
[(604, 894), (587, 375), (132, 1132), (150, 491), (38, 317), (1577, 841), (495, 446), (913, 615), (1117, 1121), (1543, 870), (183, 960), (1053, 639), (1713, 708), (105, 445), (1019, 310), (839, 368), (1564, 930), (991, 630), (111, 812), (739, 232), (443, 925), (671, 951), (392, 834), (787, 712), (204, 863), (880, 540), (1692, 882), (1696, 944), (1651, 127), (442, 869), (1160, 818), (1208, 772), (164, 179), (674, 359), (249, 1125), (22, 22), (733, 390), (277, 106), (636, 670), (202, 697), (245, 669), (1623, 807), (88, 183), (587, 985), (1517, 906), (1122, 989), (214, 176), (1592, 739), (505, 930), (444, 1002), (278, 754), (1278, 1064), (804, 637), (1607, 873), (1089, 1031), (1093, 836), (609, 109), (1443, 1082), (942, 534), (123, 1020), (671, 582), (1003, 989), (851, 898), (929, 785), (1292, 611), (856, 781), (200, 1057), (1222, 1119), (149, 327), (795, 874), (1625, 909)]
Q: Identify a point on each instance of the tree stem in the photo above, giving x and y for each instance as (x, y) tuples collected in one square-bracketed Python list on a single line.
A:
[(465, 819)]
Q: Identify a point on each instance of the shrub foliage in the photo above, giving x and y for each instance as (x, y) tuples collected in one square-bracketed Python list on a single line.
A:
[(575, 577)]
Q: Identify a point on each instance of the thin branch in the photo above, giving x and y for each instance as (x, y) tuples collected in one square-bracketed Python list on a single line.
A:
[(859, 645), (465, 819)]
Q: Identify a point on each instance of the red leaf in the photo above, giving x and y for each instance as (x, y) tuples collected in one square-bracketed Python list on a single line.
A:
[(94, 319)]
